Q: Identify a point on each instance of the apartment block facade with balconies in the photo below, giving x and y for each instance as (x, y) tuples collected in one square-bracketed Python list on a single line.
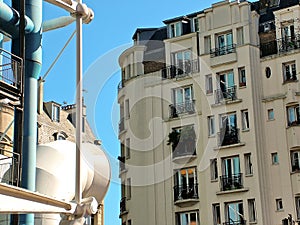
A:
[(209, 108)]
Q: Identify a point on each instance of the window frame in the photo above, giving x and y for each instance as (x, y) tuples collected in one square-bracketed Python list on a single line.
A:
[(291, 68), (245, 120), (296, 115), (271, 114), (248, 164), (175, 29), (214, 175), (279, 204), (216, 213), (127, 148), (55, 115), (128, 188), (209, 84), (180, 214), (252, 210), (242, 77), (295, 162), (275, 158), (211, 126)]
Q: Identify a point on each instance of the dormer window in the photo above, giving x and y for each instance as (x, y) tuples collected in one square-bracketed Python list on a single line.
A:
[(55, 113), (175, 29), (195, 27)]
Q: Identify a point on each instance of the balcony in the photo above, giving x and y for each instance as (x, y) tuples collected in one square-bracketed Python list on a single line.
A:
[(231, 182), (9, 167), (185, 192), (182, 108), (281, 45), (228, 136), (121, 125), (123, 206), (179, 71), (231, 222), (229, 94), (11, 69), (223, 51)]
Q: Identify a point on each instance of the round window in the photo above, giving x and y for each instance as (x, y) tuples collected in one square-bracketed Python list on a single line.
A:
[(268, 72)]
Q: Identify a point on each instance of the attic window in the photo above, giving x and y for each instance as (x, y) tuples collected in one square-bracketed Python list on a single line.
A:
[(175, 29), (55, 113)]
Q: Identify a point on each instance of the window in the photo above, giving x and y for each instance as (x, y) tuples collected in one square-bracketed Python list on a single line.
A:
[(224, 44), (242, 77), (288, 32), (213, 169), (229, 133), (248, 164), (129, 222), (231, 174), (175, 29), (293, 115), (270, 114), (83, 124), (128, 148), (187, 218), (279, 204), (268, 72), (289, 71), (182, 62), (60, 136), (183, 95), (127, 109), (297, 201), (275, 159), (186, 186), (245, 120), (226, 86), (240, 35), (207, 44), (195, 24), (234, 213), (55, 113), (216, 214), (252, 210), (295, 161), (211, 126), (208, 84), (128, 188)]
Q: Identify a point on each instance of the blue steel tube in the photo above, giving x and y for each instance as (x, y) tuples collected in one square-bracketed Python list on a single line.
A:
[(33, 63)]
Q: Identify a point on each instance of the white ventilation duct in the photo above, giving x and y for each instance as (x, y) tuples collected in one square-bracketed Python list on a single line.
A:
[(55, 173)]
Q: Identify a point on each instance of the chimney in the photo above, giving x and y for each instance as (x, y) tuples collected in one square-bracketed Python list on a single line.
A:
[(40, 95)]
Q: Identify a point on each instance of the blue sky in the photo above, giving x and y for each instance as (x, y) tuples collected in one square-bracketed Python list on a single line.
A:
[(104, 39)]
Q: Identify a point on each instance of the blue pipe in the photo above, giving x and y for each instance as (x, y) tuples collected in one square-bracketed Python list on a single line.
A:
[(9, 21), (33, 64)]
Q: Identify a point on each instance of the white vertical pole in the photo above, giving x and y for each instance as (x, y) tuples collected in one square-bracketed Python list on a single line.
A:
[(78, 191)]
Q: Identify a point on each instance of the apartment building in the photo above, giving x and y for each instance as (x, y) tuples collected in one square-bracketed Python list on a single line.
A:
[(210, 121)]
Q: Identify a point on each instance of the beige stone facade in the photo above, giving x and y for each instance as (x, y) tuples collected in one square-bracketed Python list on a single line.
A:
[(213, 135)]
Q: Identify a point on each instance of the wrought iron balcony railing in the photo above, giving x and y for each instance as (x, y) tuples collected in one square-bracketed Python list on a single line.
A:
[(281, 45), (184, 192), (123, 205), (9, 167), (181, 108), (231, 182), (228, 136), (223, 51), (177, 71), (121, 125), (225, 95), (231, 222)]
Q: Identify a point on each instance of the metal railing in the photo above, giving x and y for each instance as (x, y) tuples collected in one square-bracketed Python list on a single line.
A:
[(183, 192), (177, 71), (227, 94), (223, 50), (231, 222), (121, 125), (123, 205), (228, 136), (180, 108), (231, 182), (10, 68), (280, 45), (9, 167)]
